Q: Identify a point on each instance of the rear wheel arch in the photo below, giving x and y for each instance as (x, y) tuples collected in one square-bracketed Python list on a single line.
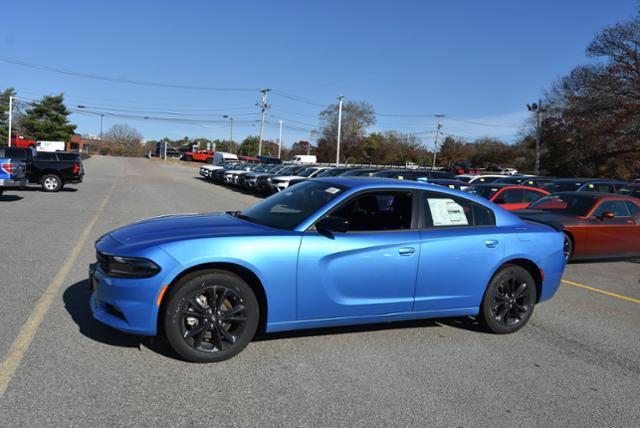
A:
[(529, 266), (244, 273)]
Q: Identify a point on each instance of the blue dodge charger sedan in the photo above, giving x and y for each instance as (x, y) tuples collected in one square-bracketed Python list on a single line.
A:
[(326, 252)]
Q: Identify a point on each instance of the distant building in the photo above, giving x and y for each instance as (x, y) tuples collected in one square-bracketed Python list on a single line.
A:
[(83, 144)]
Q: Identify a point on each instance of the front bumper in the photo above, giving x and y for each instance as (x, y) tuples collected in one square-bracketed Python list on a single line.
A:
[(130, 305)]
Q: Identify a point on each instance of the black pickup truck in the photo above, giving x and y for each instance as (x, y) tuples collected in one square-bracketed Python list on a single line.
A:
[(52, 170)]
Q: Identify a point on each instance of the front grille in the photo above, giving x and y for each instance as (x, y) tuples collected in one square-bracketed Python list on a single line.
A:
[(103, 261)]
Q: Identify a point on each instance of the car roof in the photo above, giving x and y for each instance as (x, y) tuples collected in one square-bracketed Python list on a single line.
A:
[(587, 180)]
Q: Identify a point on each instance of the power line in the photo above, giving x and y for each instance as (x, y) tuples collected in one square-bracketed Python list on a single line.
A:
[(122, 80)]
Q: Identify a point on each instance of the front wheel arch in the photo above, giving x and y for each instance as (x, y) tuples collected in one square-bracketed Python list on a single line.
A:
[(246, 274)]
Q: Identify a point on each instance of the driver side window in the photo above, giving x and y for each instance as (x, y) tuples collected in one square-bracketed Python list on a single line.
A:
[(378, 211)]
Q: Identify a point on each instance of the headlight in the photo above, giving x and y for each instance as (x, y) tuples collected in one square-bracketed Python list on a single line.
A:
[(127, 267)]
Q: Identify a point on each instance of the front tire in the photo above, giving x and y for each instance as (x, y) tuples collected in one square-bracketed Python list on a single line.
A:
[(51, 183), (210, 316), (508, 301), (567, 248)]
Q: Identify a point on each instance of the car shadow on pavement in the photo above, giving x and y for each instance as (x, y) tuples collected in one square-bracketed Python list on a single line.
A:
[(76, 302), (10, 198), (39, 189)]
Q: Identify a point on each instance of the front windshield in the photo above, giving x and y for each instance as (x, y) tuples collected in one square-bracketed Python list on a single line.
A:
[(575, 205), (465, 179), (287, 209), (388, 173), (485, 191)]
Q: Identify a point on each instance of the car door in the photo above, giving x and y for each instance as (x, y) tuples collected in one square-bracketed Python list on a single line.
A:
[(368, 270), (611, 236), (459, 251)]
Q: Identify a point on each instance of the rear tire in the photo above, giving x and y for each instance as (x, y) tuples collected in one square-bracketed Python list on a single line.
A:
[(210, 316), (509, 300), (51, 183)]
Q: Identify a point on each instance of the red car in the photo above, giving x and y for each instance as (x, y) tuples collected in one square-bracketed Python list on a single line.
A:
[(508, 196), (596, 225)]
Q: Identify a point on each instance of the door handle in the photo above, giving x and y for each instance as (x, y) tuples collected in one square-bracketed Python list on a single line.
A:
[(406, 251), (491, 243)]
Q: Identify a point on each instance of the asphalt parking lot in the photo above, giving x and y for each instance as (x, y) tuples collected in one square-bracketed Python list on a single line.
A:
[(577, 363)]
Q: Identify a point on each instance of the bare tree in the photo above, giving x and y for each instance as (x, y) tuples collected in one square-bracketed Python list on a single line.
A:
[(124, 140)]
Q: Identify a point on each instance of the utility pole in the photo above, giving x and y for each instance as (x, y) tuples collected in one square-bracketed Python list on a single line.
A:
[(263, 107), (226, 116), (435, 143), (101, 119), (10, 118), (280, 141), (537, 109), (340, 98)]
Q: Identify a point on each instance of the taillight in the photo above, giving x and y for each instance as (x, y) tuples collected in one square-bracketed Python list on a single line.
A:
[(7, 167), (76, 168)]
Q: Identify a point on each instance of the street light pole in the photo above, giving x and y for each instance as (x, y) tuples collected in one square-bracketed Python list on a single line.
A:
[(10, 118), (435, 143), (226, 116), (340, 98), (280, 141), (101, 119), (537, 109)]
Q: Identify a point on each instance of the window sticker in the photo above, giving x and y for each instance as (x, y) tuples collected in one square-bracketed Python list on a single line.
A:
[(447, 212), (332, 190), (591, 186), (400, 177), (451, 186)]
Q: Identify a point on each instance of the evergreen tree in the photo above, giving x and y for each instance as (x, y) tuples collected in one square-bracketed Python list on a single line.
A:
[(47, 119)]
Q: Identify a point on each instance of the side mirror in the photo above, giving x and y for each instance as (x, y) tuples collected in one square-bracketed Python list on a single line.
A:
[(606, 215), (500, 201), (331, 224)]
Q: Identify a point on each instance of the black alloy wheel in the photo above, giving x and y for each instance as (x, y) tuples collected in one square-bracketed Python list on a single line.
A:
[(211, 316), (509, 300), (567, 248)]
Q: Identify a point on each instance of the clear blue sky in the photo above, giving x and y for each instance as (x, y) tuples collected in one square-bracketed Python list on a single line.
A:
[(475, 61)]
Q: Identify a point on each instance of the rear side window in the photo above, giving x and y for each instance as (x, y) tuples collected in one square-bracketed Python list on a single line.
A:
[(68, 156), (618, 208), (441, 210), (47, 156), (633, 208), (511, 196)]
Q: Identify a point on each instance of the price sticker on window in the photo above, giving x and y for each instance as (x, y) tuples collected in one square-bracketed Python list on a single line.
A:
[(447, 212)]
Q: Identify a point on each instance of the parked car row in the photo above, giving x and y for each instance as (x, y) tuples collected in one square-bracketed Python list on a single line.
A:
[(266, 178), (51, 170)]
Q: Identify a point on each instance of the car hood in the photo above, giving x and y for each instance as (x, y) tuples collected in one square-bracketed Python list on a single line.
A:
[(158, 230)]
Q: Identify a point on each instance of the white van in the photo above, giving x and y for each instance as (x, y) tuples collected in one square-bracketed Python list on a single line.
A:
[(221, 157), (304, 159), (50, 146)]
